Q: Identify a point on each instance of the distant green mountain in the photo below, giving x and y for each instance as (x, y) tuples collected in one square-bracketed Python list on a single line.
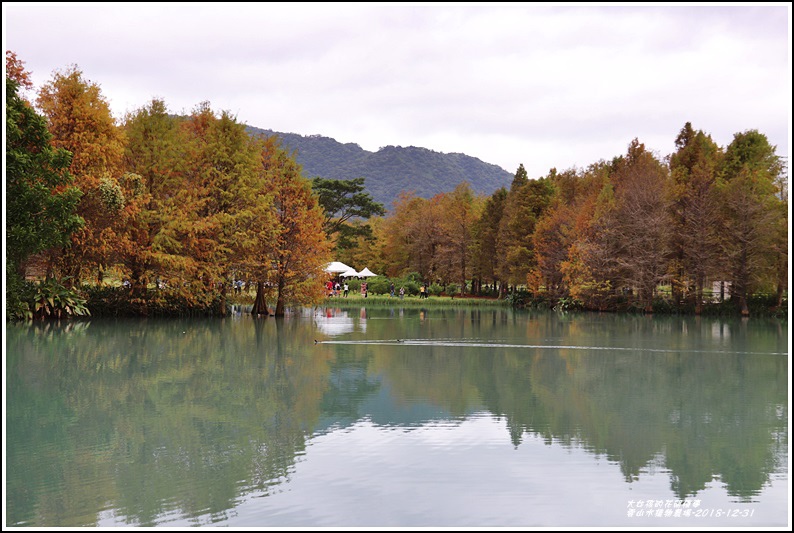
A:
[(392, 169)]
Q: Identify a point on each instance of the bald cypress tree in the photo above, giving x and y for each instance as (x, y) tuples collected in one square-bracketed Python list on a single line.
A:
[(79, 119), (751, 236), (694, 211)]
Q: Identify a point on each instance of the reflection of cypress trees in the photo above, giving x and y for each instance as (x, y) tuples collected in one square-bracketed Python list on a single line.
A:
[(192, 414), (36, 415), (705, 414), (280, 379), (507, 392), (183, 417), (348, 386)]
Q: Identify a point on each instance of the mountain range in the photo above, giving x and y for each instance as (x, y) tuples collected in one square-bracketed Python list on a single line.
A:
[(392, 169)]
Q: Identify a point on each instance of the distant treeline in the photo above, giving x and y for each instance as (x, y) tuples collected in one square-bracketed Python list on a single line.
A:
[(630, 233)]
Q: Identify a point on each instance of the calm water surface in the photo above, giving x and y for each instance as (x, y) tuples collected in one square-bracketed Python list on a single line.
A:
[(399, 417)]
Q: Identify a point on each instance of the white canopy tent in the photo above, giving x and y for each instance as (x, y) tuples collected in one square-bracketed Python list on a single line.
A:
[(349, 274), (337, 267), (366, 273)]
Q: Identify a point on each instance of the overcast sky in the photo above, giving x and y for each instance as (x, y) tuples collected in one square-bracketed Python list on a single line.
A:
[(545, 85)]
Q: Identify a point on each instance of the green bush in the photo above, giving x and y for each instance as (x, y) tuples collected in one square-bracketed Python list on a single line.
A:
[(378, 285), (413, 277), (354, 285), (18, 295), (411, 287), (435, 289), (518, 298), (664, 306)]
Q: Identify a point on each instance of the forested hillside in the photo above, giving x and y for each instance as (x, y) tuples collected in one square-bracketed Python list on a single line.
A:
[(392, 169)]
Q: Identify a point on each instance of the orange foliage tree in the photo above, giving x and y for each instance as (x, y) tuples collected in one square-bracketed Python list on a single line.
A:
[(462, 208), (293, 260), (155, 154), (79, 119), (15, 70), (217, 197), (486, 241)]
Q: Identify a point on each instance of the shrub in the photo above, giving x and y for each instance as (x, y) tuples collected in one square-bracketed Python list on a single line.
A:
[(413, 277), (518, 298), (378, 285), (452, 290), (354, 285), (411, 287), (18, 295), (52, 300), (568, 304)]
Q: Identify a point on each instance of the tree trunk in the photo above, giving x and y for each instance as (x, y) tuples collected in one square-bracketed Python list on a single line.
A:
[(222, 300), (280, 297), (779, 295), (260, 304), (700, 283), (743, 306), (646, 296)]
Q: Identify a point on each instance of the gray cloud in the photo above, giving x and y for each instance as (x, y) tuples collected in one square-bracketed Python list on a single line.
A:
[(546, 86)]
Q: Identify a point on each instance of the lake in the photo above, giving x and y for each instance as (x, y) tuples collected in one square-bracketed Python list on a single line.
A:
[(399, 417)]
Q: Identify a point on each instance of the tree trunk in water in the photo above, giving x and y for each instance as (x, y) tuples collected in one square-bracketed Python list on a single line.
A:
[(280, 297), (260, 304), (138, 282), (699, 286), (743, 305), (647, 297), (779, 296), (222, 304)]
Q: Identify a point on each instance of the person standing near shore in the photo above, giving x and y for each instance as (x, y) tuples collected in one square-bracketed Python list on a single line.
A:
[(346, 288)]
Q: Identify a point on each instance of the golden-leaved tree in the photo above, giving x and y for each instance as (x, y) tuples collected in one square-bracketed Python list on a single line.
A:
[(294, 255), (216, 200), (80, 121), (462, 208), (156, 160), (398, 235), (526, 203), (588, 272)]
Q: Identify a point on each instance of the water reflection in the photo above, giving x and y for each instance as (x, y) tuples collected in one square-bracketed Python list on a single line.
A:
[(333, 321), (138, 422)]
